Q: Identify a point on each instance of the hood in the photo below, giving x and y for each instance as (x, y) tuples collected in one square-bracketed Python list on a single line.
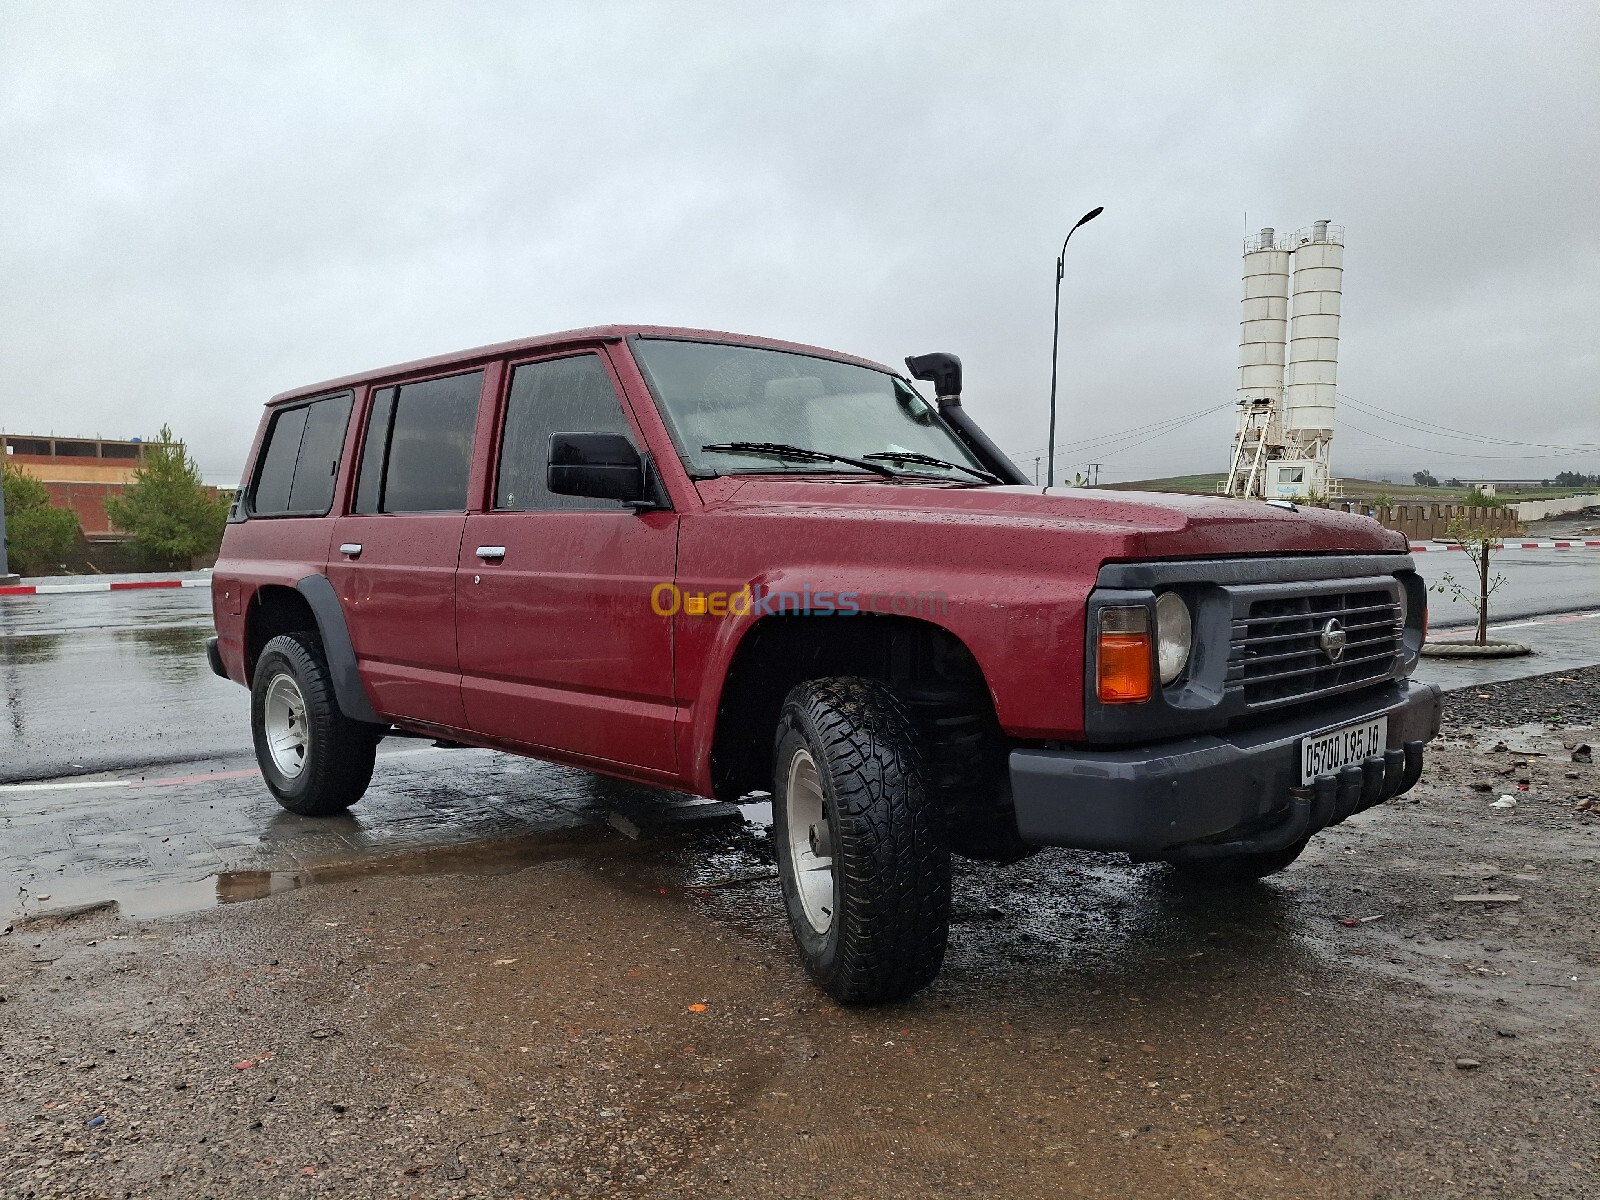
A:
[(1126, 525)]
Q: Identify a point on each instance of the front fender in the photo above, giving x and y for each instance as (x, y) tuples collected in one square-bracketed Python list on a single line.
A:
[(1026, 639)]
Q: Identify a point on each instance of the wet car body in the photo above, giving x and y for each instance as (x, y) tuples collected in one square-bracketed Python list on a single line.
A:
[(641, 639)]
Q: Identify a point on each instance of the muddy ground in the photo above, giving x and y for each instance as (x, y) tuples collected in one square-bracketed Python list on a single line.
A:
[(587, 1015)]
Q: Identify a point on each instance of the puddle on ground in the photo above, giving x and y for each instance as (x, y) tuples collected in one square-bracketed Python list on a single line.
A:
[(499, 856)]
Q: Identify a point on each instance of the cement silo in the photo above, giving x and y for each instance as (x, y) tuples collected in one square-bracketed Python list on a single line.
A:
[(1264, 317), (1312, 377), (1263, 326), (1284, 432)]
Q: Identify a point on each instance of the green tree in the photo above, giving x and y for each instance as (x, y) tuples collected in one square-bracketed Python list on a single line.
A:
[(38, 537), (1424, 479), (174, 518)]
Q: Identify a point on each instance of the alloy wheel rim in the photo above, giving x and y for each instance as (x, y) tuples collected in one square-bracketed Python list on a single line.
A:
[(810, 829), (284, 722)]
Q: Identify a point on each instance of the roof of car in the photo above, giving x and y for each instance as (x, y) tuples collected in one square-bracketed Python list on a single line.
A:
[(596, 333)]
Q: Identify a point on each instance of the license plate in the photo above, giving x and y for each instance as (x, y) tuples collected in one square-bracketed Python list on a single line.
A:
[(1327, 752)]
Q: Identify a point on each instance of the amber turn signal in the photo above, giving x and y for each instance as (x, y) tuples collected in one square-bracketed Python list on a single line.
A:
[(1123, 656)]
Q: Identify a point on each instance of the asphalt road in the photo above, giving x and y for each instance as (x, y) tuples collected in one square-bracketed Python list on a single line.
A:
[(107, 680), (1537, 581)]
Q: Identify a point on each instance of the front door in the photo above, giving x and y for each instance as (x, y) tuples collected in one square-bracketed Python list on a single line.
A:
[(393, 560), (560, 646)]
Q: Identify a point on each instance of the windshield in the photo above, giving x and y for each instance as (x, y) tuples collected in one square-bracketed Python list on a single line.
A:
[(717, 394)]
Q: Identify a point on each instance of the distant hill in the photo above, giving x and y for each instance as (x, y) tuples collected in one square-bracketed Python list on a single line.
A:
[(1354, 489)]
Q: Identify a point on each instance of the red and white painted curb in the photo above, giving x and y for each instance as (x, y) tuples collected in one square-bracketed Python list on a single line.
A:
[(1586, 545), (123, 585)]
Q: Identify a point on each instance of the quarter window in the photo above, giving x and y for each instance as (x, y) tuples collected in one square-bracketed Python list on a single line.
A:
[(301, 458), (419, 446), (562, 395)]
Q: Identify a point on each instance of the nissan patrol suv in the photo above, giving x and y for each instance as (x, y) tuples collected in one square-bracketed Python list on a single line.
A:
[(724, 564)]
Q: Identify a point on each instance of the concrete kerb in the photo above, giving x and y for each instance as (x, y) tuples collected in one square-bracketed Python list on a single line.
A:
[(1475, 649)]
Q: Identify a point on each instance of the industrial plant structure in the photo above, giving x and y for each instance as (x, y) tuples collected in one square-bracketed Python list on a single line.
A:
[(1288, 362)]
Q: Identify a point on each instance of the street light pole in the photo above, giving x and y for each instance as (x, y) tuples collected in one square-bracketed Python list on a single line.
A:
[(1055, 337)]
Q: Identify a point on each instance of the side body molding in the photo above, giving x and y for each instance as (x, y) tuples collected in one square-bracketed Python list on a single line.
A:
[(324, 602)]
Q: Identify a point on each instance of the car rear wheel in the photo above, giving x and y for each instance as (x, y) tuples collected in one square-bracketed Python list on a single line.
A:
[(316, 761), (863, 859)]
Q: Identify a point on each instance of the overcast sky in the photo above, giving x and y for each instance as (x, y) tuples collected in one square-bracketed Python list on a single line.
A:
[(204, 204)]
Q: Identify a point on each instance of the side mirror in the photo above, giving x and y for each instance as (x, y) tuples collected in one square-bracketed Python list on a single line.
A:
[(604, 466)]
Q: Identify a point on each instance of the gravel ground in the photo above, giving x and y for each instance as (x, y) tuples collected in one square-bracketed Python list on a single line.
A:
[(628, 1020), (1559, 699)]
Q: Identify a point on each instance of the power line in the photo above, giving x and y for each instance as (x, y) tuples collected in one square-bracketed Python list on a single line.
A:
[(1087, 445), (1568, 453), (1418, 425), (1154, 436), (1117, 435)]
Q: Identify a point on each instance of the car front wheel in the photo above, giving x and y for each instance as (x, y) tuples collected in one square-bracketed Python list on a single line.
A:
[(862, 854)]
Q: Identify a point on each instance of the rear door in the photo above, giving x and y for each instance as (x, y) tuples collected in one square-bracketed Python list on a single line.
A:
[(393, 559), (560, 645)]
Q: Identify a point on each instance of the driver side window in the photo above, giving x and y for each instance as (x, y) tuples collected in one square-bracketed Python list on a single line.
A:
[(561, 395)]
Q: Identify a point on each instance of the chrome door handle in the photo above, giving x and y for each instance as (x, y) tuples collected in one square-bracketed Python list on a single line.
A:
[(353, 549), (491, 552)]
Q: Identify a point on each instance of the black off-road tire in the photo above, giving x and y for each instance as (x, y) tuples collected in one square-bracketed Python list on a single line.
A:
[(891, 859), (1239, 868), (338, 752)]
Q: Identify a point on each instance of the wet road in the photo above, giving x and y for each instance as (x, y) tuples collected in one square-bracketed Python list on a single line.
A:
[(109, 680), (1537, 581), (1559, 641)]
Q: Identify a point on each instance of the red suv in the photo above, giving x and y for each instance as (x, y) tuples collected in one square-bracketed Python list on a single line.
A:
[(724, 564)]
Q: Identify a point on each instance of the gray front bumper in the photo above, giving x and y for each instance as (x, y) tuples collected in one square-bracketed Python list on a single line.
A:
[(1148, 800)]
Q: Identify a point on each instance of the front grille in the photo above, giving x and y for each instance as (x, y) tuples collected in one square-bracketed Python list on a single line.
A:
[(1277, 656)]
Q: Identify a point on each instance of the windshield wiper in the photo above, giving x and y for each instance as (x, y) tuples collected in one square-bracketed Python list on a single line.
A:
[(797, 454), (928, 460)]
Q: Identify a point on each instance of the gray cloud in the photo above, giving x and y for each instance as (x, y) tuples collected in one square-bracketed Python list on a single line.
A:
[(206, 204)]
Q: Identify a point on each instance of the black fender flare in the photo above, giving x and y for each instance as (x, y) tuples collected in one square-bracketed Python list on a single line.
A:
[(341, 655)]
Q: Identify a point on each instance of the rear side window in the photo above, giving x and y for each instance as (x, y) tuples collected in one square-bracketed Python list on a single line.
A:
[(419, 446), (563, 395), (300, 459)]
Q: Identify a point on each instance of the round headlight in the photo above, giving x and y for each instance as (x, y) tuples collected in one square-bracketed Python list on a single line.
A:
[(1174, 635)]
